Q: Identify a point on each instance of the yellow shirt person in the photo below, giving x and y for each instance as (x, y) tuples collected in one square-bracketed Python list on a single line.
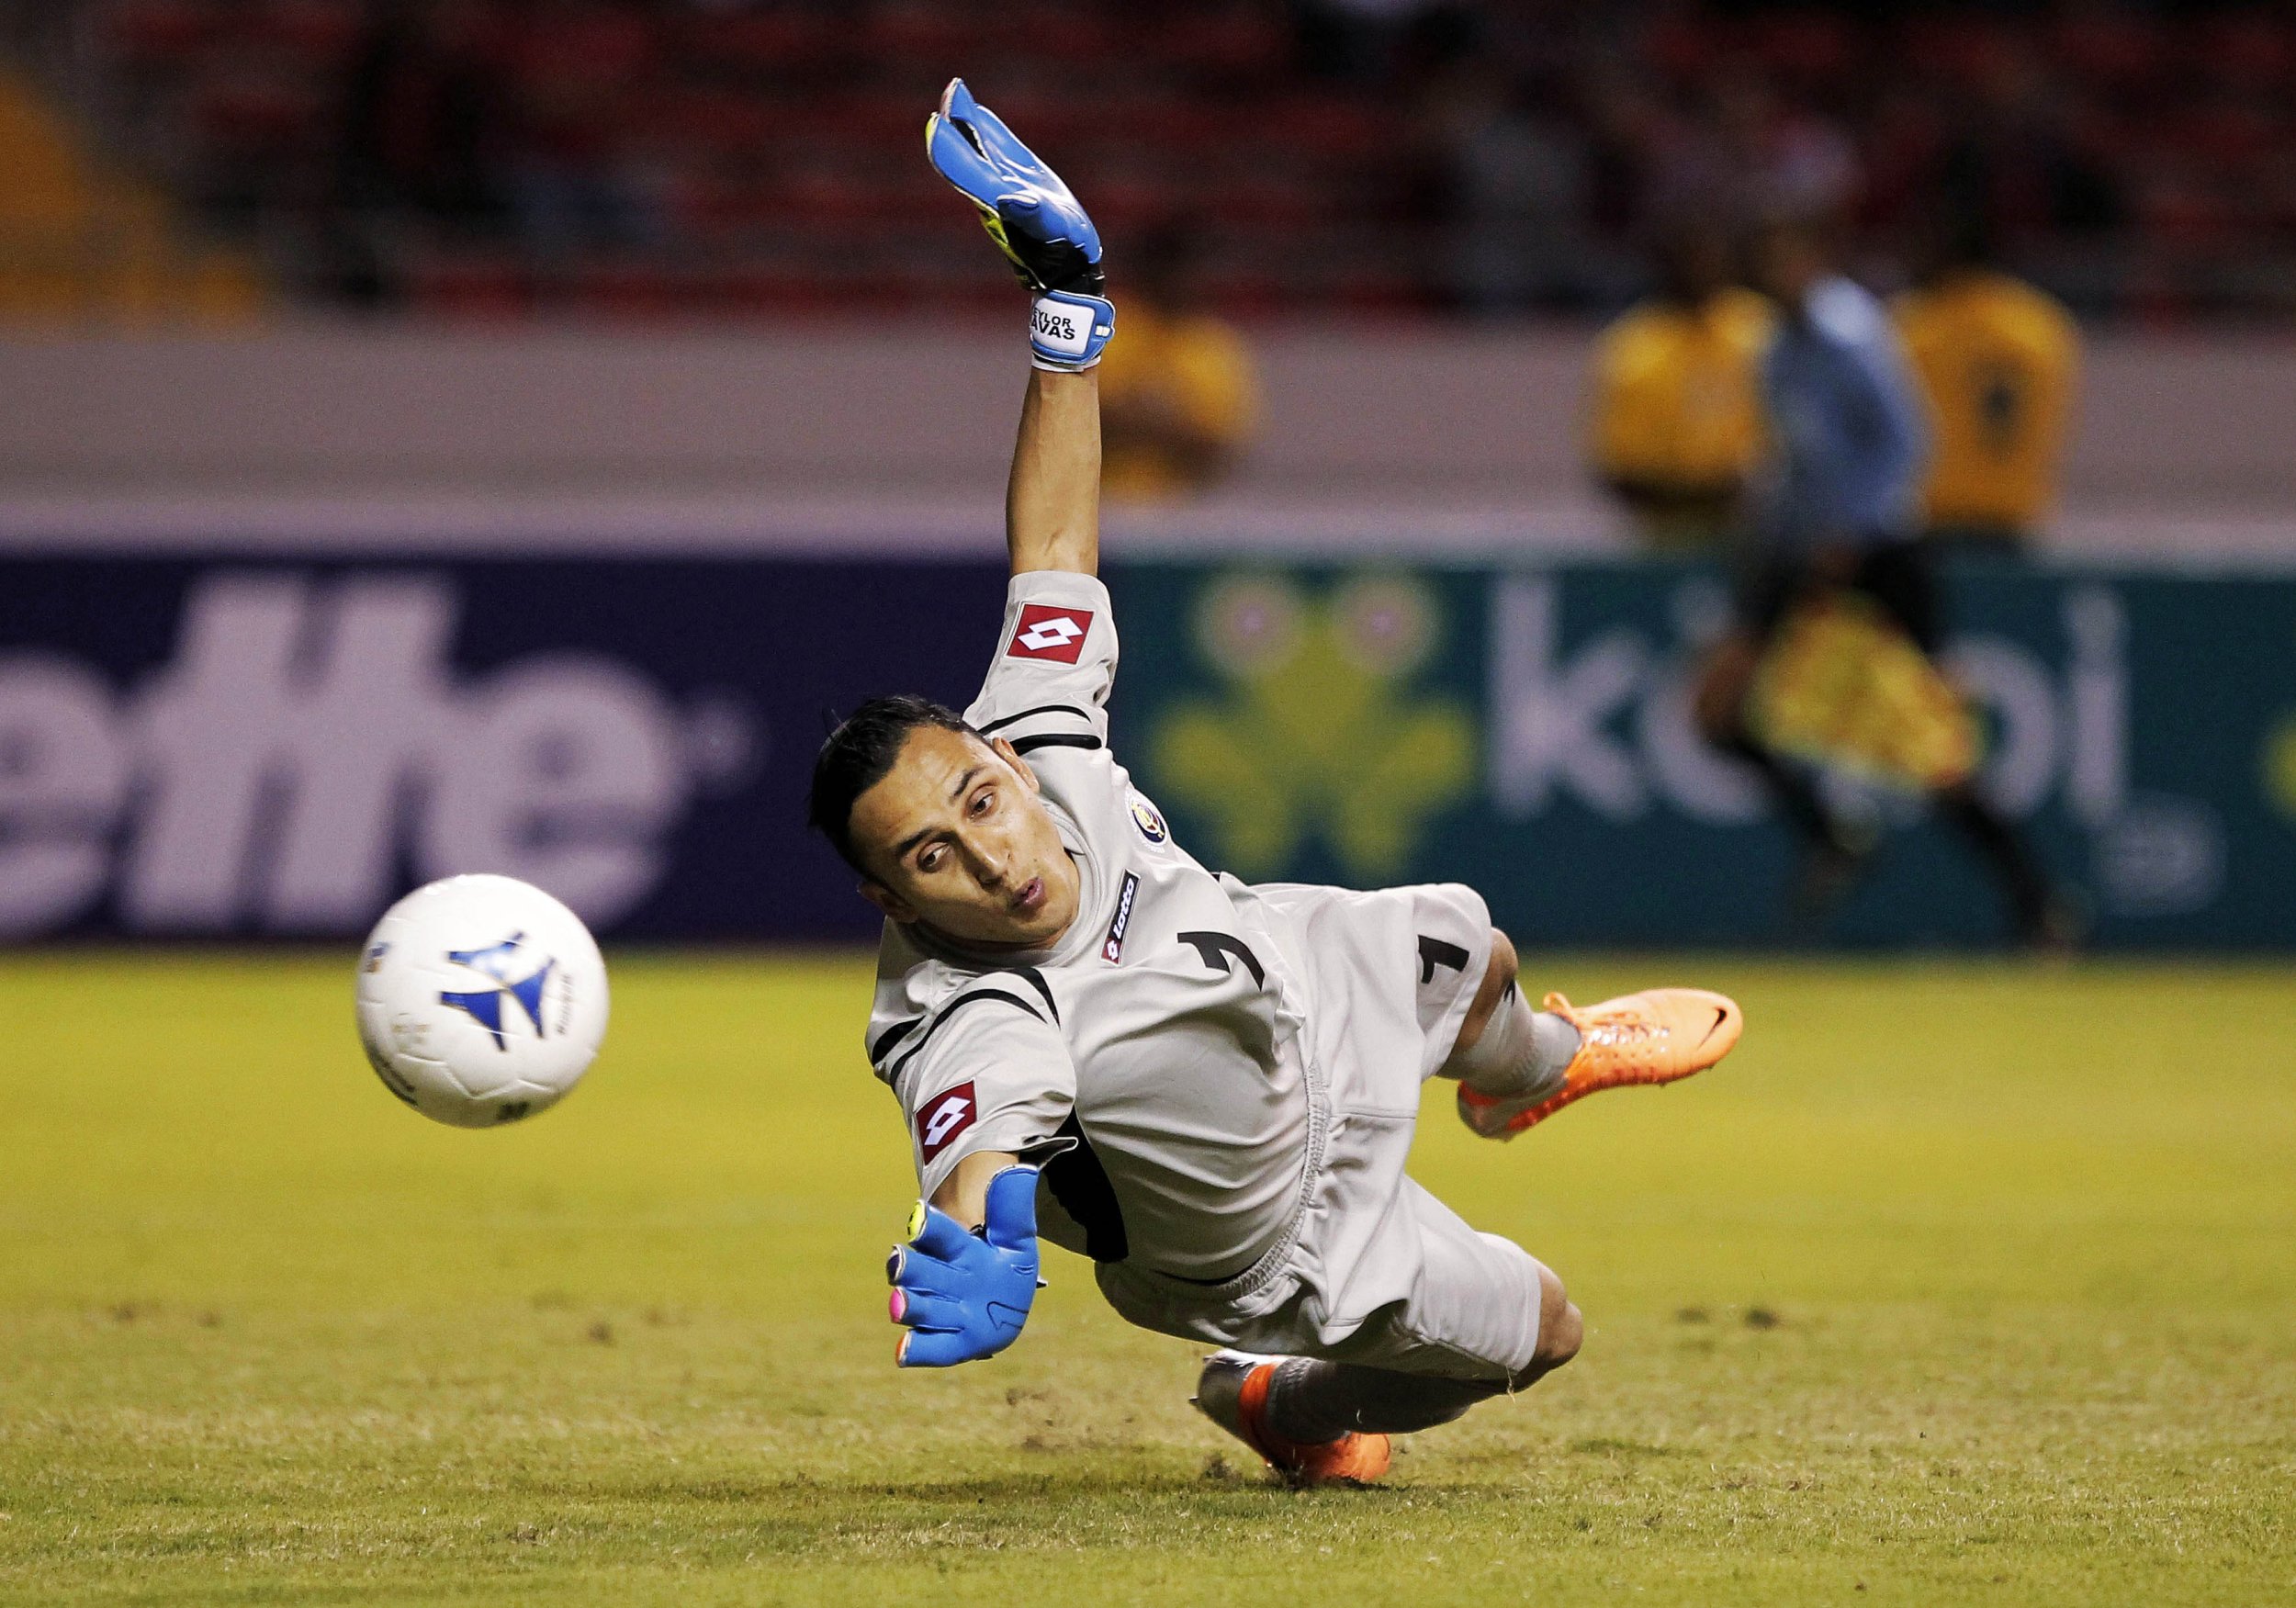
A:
[(1677, 412), (1178, 401), (1997, 362)]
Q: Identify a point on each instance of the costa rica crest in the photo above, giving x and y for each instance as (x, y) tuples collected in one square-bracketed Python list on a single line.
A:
[(1150, 822)]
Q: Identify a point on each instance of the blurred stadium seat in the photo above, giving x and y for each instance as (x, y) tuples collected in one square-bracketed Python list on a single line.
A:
[(80, 243), (2140, 161)]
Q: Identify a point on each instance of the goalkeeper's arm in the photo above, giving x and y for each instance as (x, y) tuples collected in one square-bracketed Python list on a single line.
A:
[(1053, 500), (963, 1195)]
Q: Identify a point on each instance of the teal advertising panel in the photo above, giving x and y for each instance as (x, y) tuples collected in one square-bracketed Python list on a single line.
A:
[(1528, 731)]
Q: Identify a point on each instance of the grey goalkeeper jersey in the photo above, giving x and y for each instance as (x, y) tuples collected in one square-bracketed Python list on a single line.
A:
[(1151, 1058)]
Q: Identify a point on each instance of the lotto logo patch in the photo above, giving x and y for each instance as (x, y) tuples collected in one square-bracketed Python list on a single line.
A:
[(1049, 631), (1112, 947), (942, 1118)]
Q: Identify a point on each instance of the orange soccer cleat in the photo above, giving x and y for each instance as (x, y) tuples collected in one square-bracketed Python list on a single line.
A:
[(1657, 1035), (1233, 1393)]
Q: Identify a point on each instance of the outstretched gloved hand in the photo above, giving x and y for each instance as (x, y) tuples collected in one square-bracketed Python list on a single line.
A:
[(964, 1296), (1034, 220)]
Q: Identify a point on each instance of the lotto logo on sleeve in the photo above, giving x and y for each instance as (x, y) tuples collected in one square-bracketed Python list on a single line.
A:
[(1049, 631), (942, 1118)]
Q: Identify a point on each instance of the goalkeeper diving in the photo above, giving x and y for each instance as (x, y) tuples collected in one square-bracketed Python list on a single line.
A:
[(1208, 1089)]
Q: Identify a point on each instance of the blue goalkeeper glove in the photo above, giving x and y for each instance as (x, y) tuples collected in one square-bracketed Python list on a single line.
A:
[(963, 1297), (1034, 221)]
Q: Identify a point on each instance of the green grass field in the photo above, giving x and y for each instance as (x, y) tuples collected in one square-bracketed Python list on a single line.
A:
[(1958, 1283)]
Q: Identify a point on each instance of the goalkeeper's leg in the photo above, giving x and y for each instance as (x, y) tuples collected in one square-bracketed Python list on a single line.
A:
[(1320, 1421), (1317, 1401), (1402, 1317)]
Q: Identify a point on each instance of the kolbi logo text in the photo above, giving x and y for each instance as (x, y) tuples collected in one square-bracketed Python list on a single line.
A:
[(1605, 723)]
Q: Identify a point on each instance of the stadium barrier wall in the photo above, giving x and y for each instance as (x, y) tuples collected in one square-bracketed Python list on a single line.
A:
[(1481, 414), (257, 747)]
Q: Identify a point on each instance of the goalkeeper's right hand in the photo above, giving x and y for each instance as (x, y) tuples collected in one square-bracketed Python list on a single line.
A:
[(1034, 220), (961, 1297)]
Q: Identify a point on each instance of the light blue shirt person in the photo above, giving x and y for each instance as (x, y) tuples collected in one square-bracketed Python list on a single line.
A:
[(1848, 438)]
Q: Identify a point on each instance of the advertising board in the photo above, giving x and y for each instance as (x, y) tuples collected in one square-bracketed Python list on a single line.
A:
[(233, 748)]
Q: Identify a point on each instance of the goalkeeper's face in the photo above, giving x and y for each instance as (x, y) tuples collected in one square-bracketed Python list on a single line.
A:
[(955, 836)]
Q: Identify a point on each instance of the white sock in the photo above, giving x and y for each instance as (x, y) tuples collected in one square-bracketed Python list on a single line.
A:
[(1522, 1052)]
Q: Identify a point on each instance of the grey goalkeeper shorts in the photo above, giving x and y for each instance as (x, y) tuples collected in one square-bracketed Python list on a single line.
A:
[(1374, 1270)]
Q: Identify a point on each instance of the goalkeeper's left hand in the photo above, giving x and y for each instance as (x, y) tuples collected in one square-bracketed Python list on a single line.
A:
[(1034, 220), (964, 1296)]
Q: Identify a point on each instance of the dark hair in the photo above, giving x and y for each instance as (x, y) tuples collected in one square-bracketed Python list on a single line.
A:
[(856, 755)]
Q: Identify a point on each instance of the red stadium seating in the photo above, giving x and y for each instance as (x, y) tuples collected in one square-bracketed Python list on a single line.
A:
[(765, 130)]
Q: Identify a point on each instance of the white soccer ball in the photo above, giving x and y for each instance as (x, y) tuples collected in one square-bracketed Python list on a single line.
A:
[(481, 999)]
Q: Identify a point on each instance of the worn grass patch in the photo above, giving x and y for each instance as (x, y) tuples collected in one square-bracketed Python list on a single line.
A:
[(1959, 1283)]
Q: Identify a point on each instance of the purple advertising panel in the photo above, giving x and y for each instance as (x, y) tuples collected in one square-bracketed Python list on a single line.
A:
[(264, 749)]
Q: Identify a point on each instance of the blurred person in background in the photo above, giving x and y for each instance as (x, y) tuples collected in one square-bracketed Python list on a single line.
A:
[(1180, 399), (1676, 429), (1997, 361), (419, 118), (1792, 155), (1517, 170), (577, 74), (1837, 517), (1742, 150), (2031, 152)]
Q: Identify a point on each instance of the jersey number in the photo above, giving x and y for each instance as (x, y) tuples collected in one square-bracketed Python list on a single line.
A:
[(1214, 947), (1434, 952)]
